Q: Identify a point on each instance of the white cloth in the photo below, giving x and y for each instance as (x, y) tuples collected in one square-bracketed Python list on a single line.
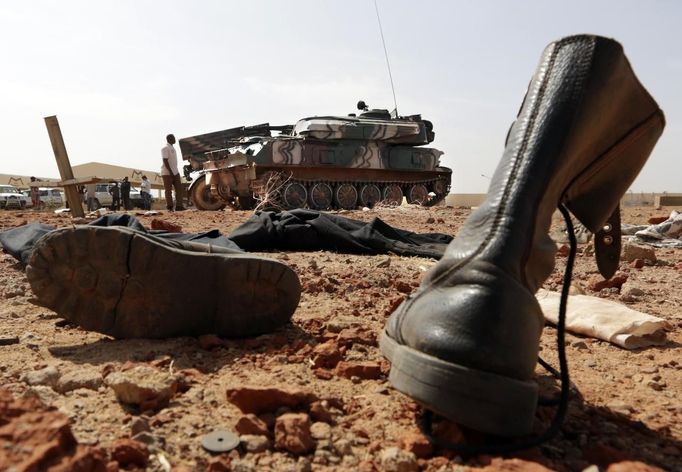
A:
[(168, 153), (146, 186), (605, 319)]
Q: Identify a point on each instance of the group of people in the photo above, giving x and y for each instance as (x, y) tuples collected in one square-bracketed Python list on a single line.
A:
[(120, 195)]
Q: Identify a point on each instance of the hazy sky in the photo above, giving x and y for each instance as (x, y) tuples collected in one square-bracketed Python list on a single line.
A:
[(120, 75)]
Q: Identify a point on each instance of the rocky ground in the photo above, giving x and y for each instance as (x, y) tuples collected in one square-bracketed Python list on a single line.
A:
[(315, 396)]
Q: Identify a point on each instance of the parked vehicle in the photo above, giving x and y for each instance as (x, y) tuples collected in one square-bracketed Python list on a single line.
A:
[(51, 197), (12, 198)]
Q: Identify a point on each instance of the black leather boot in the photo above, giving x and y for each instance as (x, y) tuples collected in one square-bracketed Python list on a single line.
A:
[(130, 284), (465, 344)]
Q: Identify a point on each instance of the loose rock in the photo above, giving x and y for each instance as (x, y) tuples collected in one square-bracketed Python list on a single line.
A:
[(632, 251), (394, 459), (251, 425), (145, 386), (76, 379), (363, 370), (255, 443), (128, 452), (47, 376), (292, 433), (267, 399)]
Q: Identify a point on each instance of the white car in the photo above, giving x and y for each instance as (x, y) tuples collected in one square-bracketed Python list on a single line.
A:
[(12, 198), (103, 197), (51, 197)]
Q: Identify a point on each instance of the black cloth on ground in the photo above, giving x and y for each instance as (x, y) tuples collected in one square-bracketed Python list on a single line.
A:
[(295, 230)]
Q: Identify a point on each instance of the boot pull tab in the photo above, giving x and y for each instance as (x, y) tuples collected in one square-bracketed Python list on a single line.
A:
[(607, 245)]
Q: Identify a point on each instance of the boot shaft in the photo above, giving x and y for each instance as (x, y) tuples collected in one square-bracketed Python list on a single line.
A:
[(583, 133)]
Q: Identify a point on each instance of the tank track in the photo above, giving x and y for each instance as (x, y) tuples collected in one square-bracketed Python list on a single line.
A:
[(276, 197)]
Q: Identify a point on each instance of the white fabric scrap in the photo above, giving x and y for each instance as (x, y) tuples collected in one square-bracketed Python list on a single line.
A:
[(606, 320)]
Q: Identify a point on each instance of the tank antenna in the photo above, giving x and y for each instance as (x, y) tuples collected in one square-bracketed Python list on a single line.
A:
[(388, 64)]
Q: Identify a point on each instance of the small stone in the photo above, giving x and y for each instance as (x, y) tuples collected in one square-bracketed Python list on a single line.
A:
[(128, 452), (343, 447), (255, 442), (47, 376), (320, 411), (44, 393), (658, 386), (8, 340), (402, 286), (327, 355), (138, 425), (579, 344), (267, 399), (637, 264), (159, 224), (81, 378), (649, 369), (363, 370), (632, 251), (394, 459), (384, 263), (292, 433), (320, 430), (416, 443), (145, 386), (250, 424), (597, 282)]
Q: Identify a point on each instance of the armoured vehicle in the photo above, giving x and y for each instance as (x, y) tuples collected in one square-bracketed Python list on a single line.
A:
[(321, 162)]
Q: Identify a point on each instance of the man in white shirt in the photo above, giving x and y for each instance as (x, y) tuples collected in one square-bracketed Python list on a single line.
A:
[(146, 193), (171, 175)]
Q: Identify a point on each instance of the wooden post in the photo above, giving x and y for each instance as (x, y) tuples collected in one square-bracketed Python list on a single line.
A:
[(65, 171)]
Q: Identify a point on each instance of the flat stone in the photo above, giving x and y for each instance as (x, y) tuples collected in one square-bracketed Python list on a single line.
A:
[(47, 376), (362, 370), (252, 425), (320, 430), (90, 379), (145, 386), (632, 251), (267, 399)]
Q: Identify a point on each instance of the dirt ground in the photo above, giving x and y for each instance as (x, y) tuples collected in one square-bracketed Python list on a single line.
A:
[(629, 407)]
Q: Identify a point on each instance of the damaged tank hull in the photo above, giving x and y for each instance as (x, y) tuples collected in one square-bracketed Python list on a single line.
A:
[(321, 163)]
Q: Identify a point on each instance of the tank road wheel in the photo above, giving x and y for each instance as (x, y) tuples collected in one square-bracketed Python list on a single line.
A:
[(440, 187), (417, 194), (294, 195), (346, 196), (202, 198), (393, 195), (369, 195), (321, 196)]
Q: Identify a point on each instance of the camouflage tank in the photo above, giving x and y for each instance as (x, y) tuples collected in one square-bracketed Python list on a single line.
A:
[(323, 162)]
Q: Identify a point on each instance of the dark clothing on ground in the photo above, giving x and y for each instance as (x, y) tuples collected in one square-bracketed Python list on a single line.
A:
[(295, 230), (171, 182)]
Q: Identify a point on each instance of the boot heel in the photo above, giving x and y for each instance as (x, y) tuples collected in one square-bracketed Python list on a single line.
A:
[(488, 402)]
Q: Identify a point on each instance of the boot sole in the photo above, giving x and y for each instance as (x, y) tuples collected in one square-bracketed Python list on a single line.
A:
[(121, 283), (480, 400)]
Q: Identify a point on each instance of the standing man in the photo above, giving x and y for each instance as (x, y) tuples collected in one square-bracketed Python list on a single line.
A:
[(115, 197), (125, 193), (146, 193), (91, 196), (35, 195), (170, 175)]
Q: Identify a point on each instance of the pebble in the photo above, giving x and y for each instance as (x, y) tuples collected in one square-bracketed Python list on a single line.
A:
[(343, 447), (255, 443), (292, 433), (47, 376), (394, 459), (320, 430)]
